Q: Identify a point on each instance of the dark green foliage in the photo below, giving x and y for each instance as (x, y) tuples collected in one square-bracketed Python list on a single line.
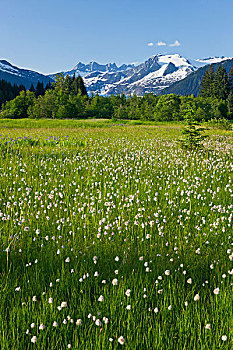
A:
[(221, 84), (167, 108), (193, 132), (230, 76), (32, 89), (67, 98), (18, 107), (207, 84), (78, 86), (8, 91), (230, 105), (219, 123), (40, 89)]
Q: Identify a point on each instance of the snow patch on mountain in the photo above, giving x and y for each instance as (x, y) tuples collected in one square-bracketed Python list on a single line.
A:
[(176, 59), (153, 75)]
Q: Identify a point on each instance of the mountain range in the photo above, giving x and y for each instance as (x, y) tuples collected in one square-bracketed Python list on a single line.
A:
[(20, 76), (160, 74)]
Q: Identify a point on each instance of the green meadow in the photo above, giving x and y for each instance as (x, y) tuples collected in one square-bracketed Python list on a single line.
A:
[(114, 237)]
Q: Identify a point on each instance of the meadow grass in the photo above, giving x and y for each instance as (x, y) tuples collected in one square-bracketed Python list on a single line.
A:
[(73, 123), (114, 237)]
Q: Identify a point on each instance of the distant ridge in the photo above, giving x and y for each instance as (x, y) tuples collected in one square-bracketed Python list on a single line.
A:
[(191, 84), (155, 75), (18, 76)]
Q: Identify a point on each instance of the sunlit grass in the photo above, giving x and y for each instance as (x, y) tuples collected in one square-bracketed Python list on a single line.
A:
[(114, 237)]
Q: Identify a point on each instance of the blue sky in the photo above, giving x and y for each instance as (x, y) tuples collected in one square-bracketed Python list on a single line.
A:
[(53, 35)]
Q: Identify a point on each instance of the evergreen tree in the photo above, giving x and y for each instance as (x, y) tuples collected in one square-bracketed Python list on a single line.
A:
[(68, 84), (230, 105), (8, 91), (80, 86), (48, 86), (221, 83), (32, 89), (40, 89), (230, 77), (207, 84)]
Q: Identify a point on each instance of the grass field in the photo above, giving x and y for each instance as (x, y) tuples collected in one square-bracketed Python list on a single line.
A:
[(113, 237)]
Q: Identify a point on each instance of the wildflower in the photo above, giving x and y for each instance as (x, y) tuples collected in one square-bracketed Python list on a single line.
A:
[(197, 297), (101, 298), (169, 307), (42, 326), (216, 291), (106, 320), (127, 293), (79, 322), (167, 272), (207, 326), (69, 346), (64, 304), (117, 258), (189, 280), (55, 324), (33, 325), (128, 307), (34, 339), (224, 337), (50, 300), (156, 310), (98, 322), (121, 340), (115, 282)]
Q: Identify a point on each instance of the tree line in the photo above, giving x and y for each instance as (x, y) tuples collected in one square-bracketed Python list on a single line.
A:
[(68, 98), (8, 91)]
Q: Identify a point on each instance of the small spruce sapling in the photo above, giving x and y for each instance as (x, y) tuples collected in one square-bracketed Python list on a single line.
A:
[(192, 133)]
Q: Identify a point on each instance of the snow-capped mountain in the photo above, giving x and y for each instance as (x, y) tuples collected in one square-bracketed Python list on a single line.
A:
[(191, 84), (153, 75), (19, 76)]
